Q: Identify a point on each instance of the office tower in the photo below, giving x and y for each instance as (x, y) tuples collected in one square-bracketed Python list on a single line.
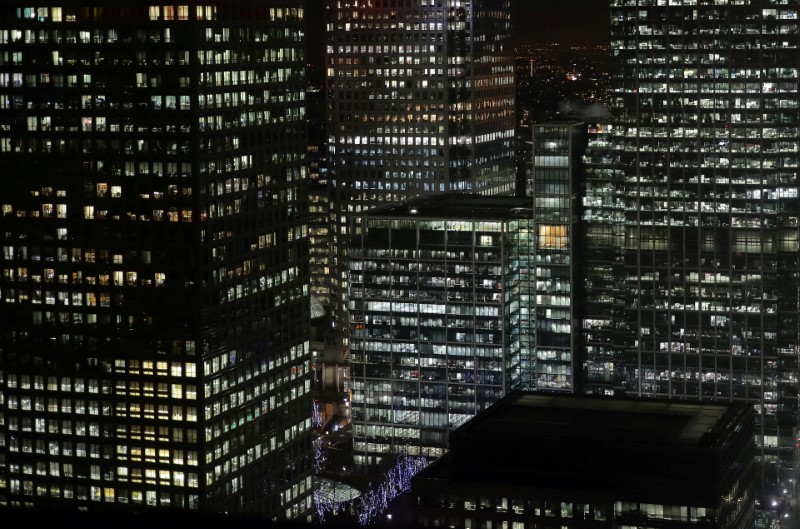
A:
[(555, 188), (438, 294), (420, 100), (155, 282), (602, 269), (576, 461), (693, 214), (319, 198)]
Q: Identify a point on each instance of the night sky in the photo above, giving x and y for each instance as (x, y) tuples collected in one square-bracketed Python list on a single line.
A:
[(562, 21), (537, 21)]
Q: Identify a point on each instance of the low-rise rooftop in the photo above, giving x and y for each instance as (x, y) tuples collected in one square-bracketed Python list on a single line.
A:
[(457, 206), (640, 421)]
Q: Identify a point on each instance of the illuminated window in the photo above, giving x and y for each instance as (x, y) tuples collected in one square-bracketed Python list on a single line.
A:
[(553, 237)]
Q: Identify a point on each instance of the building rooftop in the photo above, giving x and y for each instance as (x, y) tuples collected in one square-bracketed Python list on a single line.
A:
[(532, 450), (457, 206), (679, 450), (558, 123), (568, 417)]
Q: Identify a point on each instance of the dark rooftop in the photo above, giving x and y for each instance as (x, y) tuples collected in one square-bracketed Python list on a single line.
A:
[(457, 206), (558, 123), (676, 450), (651, 421)]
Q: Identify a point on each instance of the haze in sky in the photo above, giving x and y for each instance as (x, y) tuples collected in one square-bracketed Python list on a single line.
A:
[(562, 21)]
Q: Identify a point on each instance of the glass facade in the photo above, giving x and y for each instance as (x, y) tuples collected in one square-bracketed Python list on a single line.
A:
[(692, 214), (320, 198), (554, 186), (420, 100), (522, 364), (154, 289), (506, 505), (435, 310), (602, 268)]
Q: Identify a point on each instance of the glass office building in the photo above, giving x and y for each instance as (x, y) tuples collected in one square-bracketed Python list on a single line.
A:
[(319, 198), (154, 291), (692, 210), (439, 298), (420, 100), (554, 186)]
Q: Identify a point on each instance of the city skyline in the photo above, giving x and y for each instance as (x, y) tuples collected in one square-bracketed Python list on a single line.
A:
[(166, 205)]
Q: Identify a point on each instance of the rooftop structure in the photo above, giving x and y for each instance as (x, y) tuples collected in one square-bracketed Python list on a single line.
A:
[(591, 462)]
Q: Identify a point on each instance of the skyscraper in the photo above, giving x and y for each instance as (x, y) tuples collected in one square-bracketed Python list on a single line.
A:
[(420, 100), (154, 294), (440, 291), (554, 186), (319, 198), (692, 210)]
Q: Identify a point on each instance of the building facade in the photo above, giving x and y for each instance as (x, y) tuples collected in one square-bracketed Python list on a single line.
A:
[(534, 460), (320, 198), (555, 187), (692, 210), (439, 293), (154, 296), (420, 101)]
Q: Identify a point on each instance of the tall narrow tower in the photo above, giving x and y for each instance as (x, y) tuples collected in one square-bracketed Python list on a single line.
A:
[(698, 213), (554, 186), (154, 294)]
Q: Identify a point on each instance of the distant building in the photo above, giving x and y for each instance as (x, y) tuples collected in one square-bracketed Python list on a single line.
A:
[(535, 460), (440, 289), (420, 100), (154, 300)]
